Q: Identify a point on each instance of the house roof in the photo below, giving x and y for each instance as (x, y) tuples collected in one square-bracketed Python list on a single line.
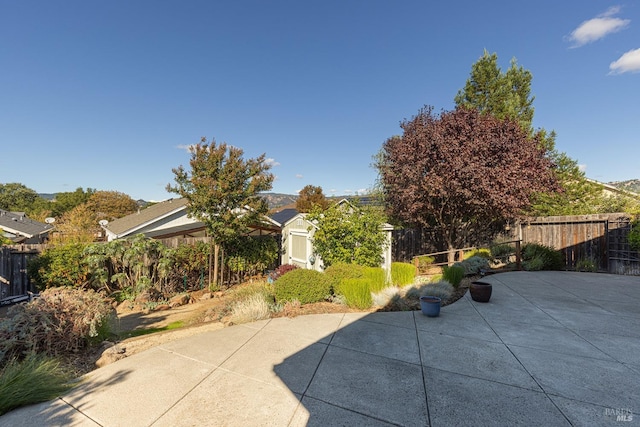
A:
[(281, 217), (19, 224), (165, 219), (608, 188), (143, 217)]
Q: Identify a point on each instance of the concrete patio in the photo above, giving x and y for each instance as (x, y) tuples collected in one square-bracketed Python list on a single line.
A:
[(550, 348)]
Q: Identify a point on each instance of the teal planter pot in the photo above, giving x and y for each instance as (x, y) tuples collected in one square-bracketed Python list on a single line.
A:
[(430, 306)]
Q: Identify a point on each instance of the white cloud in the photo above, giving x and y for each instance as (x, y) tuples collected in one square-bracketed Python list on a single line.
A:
[(333, 190), (271, 162), (629, 62), (598, 27), (582, 168), (299, 176), (185, 147)]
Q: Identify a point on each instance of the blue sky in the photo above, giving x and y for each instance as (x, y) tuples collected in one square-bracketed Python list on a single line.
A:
[(108, 94)]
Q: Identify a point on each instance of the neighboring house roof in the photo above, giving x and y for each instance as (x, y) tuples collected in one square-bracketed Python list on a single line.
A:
[(165, 219), (135, 222), (610, 189), (20, 227), (284, 215)]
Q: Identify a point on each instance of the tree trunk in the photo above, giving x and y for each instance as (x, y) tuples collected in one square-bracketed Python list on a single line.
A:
[(451, 255), (216, 251)]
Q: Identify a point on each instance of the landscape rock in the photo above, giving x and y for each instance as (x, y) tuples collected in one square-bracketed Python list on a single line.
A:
[(111, 354), (179, 300)]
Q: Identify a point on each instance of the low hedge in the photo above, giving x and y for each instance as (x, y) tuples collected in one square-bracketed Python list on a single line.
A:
[(305, 286)]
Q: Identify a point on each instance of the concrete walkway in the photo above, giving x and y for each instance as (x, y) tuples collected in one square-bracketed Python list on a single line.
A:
[(549, 349)]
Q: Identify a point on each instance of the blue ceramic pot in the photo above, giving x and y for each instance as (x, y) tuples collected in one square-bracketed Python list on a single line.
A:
[(430, 306)]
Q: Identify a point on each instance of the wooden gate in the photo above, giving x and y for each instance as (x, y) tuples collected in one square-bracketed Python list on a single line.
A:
[(622, 259), (13, 271)]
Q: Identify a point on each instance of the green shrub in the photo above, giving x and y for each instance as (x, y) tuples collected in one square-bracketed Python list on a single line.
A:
[(501, 251), (424, 262), (473, 265), (59, 266), (341, 271), (453, 274), (534, 264), (634, 236), (252, 254), (306, 286), (402, 273), (356, 292), (36, 378), (376, 277), (62, 321), (586, 264), (540, 257), (281, 271), (481, 252)]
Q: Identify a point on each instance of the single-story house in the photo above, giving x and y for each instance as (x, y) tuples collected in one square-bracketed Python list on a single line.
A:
[(22, 229), (297, 240), (169, 219)]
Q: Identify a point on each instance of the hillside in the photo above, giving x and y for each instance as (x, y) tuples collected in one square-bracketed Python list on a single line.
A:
[(629, 185), (276, 200)]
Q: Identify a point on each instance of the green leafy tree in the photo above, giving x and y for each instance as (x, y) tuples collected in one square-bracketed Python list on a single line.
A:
[(310, 197), (349, 235), (507, 95), (17, 197), (66, 201), (579, 196), (223, 190), (461, 173), (111, 205)]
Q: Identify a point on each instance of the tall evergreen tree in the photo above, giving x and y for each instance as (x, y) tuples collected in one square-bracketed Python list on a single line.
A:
[(508, 96)]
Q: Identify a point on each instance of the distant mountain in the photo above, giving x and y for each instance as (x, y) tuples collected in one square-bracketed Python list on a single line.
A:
[(629, 185), (276, 200), (47, 196)]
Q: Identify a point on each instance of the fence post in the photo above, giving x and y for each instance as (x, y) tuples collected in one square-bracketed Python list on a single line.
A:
[(518, 255)]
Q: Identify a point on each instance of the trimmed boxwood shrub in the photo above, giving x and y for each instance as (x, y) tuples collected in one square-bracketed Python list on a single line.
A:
[(356, 292), (341, 271), (403, 273), (305, 286)]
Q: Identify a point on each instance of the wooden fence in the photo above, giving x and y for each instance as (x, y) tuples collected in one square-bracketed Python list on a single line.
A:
[(599, 238)]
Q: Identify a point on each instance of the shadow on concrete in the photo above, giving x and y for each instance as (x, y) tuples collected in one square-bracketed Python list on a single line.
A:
[(529, 356)]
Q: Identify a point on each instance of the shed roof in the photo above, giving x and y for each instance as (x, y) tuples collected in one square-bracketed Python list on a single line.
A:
[(284, 215)]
